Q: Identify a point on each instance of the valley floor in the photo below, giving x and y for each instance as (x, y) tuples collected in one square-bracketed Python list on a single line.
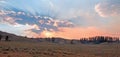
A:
[(32, 49)]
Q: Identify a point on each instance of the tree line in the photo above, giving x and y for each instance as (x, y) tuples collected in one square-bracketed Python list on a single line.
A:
[(90, 40), (100, 39)]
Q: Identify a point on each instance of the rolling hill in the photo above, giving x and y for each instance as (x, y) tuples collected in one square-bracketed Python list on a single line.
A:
[(19, 46)]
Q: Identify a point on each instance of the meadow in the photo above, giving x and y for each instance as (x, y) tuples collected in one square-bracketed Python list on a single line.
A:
[(45, 49)]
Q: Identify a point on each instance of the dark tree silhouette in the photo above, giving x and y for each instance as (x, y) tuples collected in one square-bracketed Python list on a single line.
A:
[(0, 37), (7, 38), (100, 39), (72, 42), (84, 41), (53, 40), (90, 40)]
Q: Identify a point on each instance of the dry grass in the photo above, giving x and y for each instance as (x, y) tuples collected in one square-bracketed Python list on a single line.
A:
[(30, 49)]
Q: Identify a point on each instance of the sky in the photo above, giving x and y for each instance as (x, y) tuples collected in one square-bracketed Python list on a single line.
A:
[(60, 18)]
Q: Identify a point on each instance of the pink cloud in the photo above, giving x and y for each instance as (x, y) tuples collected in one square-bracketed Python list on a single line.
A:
[(107, 9), (30, 33), (36, 26), (9, 20), (41, 21), (3, 12), (20, 13)]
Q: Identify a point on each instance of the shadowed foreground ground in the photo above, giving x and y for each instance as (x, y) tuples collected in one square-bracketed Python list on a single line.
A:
[(28, 49)]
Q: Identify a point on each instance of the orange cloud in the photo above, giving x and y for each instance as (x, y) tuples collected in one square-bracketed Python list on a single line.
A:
[(36, 27), (77, 32), (41, 21), (55, 24), (30, 33), (45, 33)]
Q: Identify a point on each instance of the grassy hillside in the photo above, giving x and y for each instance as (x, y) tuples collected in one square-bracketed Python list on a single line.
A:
[(13, 37), (28, 49), (24, 47)]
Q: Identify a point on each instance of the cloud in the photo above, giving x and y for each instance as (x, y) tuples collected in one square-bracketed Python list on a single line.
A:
[(5, 12), (108, 8), (30, 33), (9, 20), (36, 27), (17, 29), (2, 12), (36, 23), (33, 26)]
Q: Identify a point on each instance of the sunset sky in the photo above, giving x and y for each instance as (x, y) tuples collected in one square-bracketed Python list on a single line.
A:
[(70, 19)]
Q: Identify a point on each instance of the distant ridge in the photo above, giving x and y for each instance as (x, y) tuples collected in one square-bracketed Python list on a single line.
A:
[(13, 37), (58, 40)]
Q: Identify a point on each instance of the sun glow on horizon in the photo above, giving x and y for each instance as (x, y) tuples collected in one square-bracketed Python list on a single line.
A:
[(48, 34)]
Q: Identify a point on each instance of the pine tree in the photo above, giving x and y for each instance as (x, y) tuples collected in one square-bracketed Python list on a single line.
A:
[(0, 37), (7, 38)]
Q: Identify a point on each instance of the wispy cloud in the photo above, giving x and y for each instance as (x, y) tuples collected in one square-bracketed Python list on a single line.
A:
[(108, 8)]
